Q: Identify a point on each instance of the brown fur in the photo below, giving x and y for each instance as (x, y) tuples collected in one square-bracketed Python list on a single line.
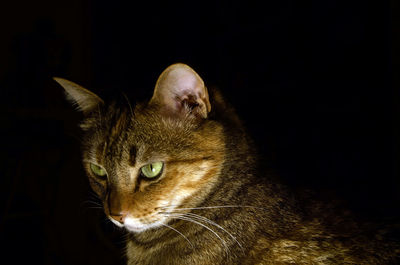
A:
[(210, 162)]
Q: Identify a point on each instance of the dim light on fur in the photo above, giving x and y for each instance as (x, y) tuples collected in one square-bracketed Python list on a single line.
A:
[(205, 198)]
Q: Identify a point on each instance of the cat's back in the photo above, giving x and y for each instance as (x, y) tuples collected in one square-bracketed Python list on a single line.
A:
[(327, 233)]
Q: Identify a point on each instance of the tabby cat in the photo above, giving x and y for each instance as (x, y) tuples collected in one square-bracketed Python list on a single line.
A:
[(180, 175)]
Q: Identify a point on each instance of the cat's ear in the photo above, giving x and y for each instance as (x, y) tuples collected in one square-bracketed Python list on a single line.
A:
[(85, 100), (180, 89)]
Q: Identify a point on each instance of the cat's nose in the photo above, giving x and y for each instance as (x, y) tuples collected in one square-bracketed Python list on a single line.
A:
[(117, 206), (118, 217)]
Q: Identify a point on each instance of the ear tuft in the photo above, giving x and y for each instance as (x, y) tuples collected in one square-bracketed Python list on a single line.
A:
[(84, 99), (180, 89)]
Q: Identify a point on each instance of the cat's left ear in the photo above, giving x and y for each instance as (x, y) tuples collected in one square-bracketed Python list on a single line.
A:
[(84, 99), (180, 89)]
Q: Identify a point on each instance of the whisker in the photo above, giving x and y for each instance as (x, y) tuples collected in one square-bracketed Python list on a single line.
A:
[(91, 202), (123, 239), (127, 100), (181, 217), (93, 195), (93, 199), (213, 207), (205, 219), (170, 227)]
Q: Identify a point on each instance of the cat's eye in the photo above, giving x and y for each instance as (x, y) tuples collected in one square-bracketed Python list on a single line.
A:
[(98, 170), (152, 170)]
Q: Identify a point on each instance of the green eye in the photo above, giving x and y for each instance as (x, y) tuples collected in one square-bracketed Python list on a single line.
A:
[(152, 170), (98, 170)]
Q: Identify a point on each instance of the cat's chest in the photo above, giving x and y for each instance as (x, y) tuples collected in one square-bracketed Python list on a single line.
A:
[(176, 253)]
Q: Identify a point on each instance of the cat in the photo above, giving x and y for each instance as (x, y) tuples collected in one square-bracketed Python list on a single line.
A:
[(182, 177)]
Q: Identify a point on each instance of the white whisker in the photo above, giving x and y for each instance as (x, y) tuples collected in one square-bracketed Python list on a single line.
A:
[(181, 217), (215, 224), (212, 207), (170, 227)]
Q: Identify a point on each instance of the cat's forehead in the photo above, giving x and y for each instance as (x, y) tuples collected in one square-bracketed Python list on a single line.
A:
[(140, 127)]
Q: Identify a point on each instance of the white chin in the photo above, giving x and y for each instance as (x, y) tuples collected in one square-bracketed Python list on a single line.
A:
[(135, 226)]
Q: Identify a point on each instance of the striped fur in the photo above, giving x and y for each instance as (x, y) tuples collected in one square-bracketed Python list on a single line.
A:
[(211, 171)]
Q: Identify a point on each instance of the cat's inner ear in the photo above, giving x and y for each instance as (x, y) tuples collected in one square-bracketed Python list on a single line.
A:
[(180, 89), (84, 99)]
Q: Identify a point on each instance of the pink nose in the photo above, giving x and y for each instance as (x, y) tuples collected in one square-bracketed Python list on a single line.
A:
[(118, 217)]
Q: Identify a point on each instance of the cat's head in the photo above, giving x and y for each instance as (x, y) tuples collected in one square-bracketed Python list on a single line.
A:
[(146, 159)]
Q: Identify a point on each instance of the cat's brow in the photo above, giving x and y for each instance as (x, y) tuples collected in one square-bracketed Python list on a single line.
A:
[(132, 156), (100, 152), (191, 160)]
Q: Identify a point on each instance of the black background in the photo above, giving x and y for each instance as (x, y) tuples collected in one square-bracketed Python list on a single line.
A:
[(316, 83)]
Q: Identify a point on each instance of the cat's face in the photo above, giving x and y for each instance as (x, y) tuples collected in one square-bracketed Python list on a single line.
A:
[(148, 159)]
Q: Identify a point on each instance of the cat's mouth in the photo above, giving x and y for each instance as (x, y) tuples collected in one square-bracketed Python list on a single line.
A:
[(136, 225)]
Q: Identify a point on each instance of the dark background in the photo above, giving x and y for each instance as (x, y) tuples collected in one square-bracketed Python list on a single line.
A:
[(316, 83)]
